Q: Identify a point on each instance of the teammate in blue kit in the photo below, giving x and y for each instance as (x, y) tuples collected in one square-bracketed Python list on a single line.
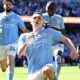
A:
[(9, 24), (55, 21), (37, 46)]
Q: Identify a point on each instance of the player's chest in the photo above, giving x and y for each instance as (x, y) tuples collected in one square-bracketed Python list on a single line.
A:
[(6, 22), (39, 40), (54, 21)]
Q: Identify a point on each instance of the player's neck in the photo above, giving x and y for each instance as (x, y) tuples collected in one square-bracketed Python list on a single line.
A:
[(37, 30), (51, 15), (8, 13)]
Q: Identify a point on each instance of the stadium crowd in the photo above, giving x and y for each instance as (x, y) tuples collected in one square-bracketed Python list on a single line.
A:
[(28, 7)]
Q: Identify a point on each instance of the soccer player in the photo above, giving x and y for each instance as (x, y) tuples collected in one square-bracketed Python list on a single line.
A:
[(55, 21), (9, 24), (37, 46)]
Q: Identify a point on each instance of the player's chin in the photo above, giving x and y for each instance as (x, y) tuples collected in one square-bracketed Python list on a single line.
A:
[(73, 58), (37, 24)]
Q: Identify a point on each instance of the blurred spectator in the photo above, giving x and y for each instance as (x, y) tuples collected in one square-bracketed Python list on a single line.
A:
[(1, 6), (28, 7)]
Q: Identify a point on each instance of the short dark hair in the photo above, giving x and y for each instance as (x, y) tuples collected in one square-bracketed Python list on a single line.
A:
[(7, 0), (50, 3)]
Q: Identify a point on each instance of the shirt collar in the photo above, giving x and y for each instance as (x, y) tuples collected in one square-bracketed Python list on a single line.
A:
[(39, 30), (4, 13)]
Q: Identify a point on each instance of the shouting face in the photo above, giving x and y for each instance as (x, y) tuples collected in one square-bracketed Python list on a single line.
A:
[(37, 21)]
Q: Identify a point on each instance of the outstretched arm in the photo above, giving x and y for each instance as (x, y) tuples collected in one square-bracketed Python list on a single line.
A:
[(68, 42)]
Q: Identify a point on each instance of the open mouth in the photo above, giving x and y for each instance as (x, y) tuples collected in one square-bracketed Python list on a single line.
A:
[(36, 23), (50, 12)]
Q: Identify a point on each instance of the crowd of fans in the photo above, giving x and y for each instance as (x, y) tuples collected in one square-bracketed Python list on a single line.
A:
[(28, 7)]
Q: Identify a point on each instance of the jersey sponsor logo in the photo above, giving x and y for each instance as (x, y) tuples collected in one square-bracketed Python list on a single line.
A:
[(40, 41)]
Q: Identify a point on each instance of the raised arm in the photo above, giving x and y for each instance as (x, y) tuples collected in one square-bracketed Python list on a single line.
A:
[(23, 43), (22, 49)]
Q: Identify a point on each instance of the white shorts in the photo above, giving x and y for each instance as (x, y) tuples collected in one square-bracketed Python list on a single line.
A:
[(56, 48), (3, 52), (39, 74), (10, 49)]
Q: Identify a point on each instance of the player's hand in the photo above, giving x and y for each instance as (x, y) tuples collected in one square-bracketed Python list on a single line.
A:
[(29, 38), (74, 54), (46, 25)]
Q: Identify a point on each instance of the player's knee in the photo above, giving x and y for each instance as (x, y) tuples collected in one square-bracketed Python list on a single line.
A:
[(47, 69), (48, 72), (3, 70)]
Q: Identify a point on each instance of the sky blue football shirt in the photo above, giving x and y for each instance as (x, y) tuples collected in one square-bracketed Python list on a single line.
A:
[(55, 20), (9, 25), (39, 51)]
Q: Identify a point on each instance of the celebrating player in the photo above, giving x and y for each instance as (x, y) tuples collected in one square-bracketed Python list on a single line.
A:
[(37, 46), (55, 21), (9, 24)]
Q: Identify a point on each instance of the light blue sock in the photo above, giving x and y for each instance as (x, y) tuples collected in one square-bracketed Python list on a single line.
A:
[(11, 74)]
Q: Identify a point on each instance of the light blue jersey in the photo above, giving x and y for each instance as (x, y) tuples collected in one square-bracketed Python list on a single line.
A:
[(9, 25), (55, 20), (39, 51)]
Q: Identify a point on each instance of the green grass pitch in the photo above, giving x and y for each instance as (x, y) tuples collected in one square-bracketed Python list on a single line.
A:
[(70, 73), (67, 73)]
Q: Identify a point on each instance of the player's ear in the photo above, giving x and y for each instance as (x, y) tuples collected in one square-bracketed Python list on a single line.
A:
[(43, 22)]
